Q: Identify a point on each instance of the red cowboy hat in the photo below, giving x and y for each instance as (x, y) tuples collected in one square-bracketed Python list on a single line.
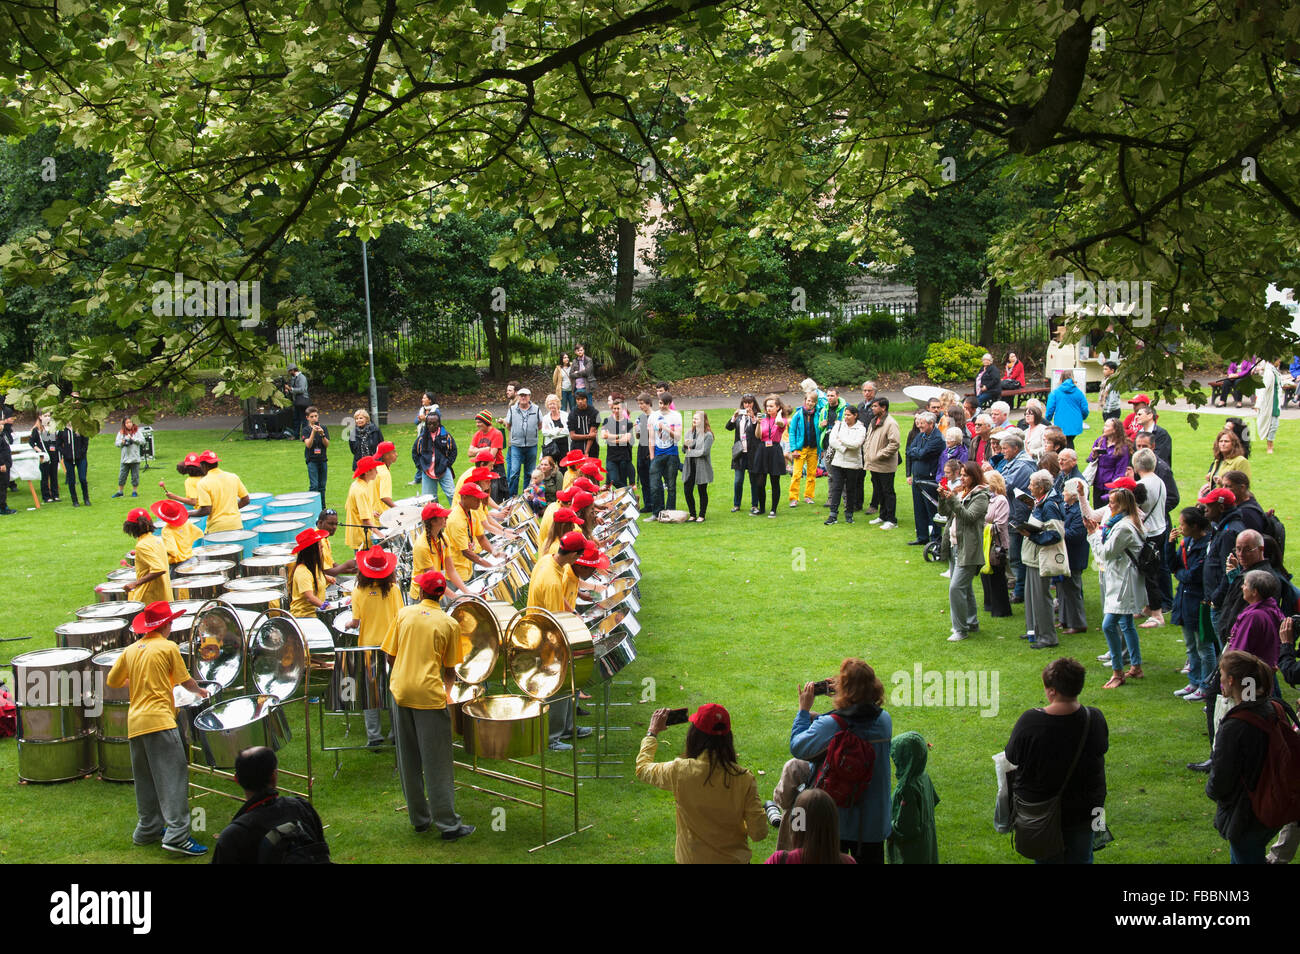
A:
[(572, 458), (170, 512), (480, 474), (431, 583), (384, 448), (471, 489), (307, 538), (364, 466), (592, 468), (594, 460), (154, 616), (566, 515), (434, 509), (207, 457), (376, 563), (573, 542), (712, 719)]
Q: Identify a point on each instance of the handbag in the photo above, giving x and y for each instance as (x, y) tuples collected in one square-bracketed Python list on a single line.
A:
[(1090, 473), (987, 568), (1053, 559), (1037, 825)]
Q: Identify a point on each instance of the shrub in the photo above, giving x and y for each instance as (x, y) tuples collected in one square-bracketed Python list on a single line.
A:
[(441, 378), (617, 338), (806, 328), (886, 356), (524, 351), (348, 372), (8, 381), (872, 326), (802, 353), (1199, 355), (952, 360), (692, 361), (836, 370)]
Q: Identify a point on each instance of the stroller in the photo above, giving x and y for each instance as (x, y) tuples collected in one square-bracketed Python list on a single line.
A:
[(934, 549)]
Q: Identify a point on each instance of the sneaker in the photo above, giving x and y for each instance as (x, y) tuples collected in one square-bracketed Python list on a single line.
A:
[(947, 574), (772, 515), (875, 520), (887, 525), (848, 518), (957, 637), (134, 494), (458, 833), (794, 503), (191, 847), (1196, 695), (735, 509), (1184, 691), (1185, 670), (832, 520), (773, 813), (584, 731), (809, 500), (754, 511), (560, 747), (118, 494)]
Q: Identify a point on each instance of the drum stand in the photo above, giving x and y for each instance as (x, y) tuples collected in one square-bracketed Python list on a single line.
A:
[(347, 730), (602, 756)]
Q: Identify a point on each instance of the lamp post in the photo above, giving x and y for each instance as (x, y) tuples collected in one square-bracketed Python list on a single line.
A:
[(370, 336)]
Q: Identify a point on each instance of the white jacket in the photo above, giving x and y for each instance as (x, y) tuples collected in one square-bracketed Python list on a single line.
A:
[(1124, 591), (847, 443)]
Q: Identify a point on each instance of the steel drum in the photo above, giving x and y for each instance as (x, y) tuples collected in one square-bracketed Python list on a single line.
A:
[(116, 609), (218, 551), (112, 749), (194, 567), (273, 549), (217, 645), (102, 664), (401, 518), (483, 625), (461, 693), (227, 728), (417, 502), (113, 756), (250, 516), (614, 653), (277, 656), (316, 634), (262, 581), (259, 499), (121, 573), (278, 532), (619, 591), (274, 565), (621, 550), (342, 635), (540, 646), (53, 689), (246, 539), (294, 516), (359, 680), (257, 601), (503, 727), (95, 635), (291, 501), (494, 585), (59, 761), (111, 591), (186, 711), (207, 587)]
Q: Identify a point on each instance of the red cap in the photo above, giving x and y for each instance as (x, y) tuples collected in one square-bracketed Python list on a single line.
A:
[(564, 496), (307, 538), (207, 457), (471, 489), (431, 583), (1123, 483), (1219, 495), (573, 542), (170, 512), (155, 615), (480, 474), (364, 466), (712, 719), (434, 509), (593, 557), (376, 563), (566, 515), (190, 460), (136, 514), (384, 448), (1140, 399), (582, 500), (485, 454), (582, 483), (592, 468), (572, 458)]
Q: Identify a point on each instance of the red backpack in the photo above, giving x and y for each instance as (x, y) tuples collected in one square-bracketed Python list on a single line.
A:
[(846, 771), (1276, 796)]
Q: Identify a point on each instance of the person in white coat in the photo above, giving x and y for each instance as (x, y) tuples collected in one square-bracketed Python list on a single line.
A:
[(847, 468), (1116, 542), (1268, 402)]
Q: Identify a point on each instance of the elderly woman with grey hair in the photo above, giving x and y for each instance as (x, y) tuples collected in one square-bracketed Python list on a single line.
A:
[(1069, 586), (1044, 536)]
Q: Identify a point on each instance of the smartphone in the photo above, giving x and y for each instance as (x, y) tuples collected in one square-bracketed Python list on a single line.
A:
[(822, 688), (676, 716)]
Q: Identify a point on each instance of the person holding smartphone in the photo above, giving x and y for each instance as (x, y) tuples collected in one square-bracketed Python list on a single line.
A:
[(317, 443), (742, 422)]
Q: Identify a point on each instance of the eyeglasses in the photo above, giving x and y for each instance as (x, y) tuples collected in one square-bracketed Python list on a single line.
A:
[(1245, 549)]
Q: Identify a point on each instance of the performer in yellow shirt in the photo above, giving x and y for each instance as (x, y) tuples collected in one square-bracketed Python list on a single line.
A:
[(152, 571), (554, 587), (220, 496), (150, 667), (375, 603), (571, 462), (562, 521), (307, 580), (465, 535), (178, 533), (328, 522), (361, 504), (191, 470), (386, 455), (423, 646), (430, 551)]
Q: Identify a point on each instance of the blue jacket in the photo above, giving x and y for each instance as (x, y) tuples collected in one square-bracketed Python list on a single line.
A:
[(1186, 559), (923, 454), (796, 426), (1076, 537), (1048, 510), (1066, 408), (1222, 539), (868, 820), (958, 453), (1016, 474)]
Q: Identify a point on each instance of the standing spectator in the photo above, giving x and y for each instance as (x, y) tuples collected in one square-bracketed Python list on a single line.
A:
[(1130, 422), (1040, 621), (742, 422), (954, 449), (643, 450), (44, 441), (1067, 407), (924, 446), (1013, 373), (524, 424), (316, 443), (805, 444), (766, 462), (831, 411), (988, 384), (913, 839), (1072, 615), (1155, 526), (665, 431), (880, 451), (698, 469), (816, 840), (1036, 429), (966, 506), (1116, 545), (487, 436), (130, 440), (868, 399), (1242, 430), (366, 437), (436, 452), (1185, 552), (1172, 497), (555, 429), (1043, 746), (1240, 751), (617, 434), (582, 372), (1110, 453), (296, 389), (1068, 463), (846, 441), (427, 406), (717, 800), (1144, 420), (1108, 401), (73, 451), (1248, 506), (1017, 468), (982, 446), (562, 384), (1268, 402), (970, 407), (582, 426), (997, 601), (1227, 456)]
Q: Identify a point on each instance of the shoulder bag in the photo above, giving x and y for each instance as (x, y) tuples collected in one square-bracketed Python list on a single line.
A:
[(1037, 825)]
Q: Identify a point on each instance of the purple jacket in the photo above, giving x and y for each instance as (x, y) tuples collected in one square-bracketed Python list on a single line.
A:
[(949, 453), (1109, 467), (1241, 370), (1255, 630)]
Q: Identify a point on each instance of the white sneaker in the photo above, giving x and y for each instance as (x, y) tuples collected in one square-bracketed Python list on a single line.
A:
[(875, 520), (957, 637), (794, 503), (1184, 691), (809, 500), (946, 573), (887, 525), (1104, 658)]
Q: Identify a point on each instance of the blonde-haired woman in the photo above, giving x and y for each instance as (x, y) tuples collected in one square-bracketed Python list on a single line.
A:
[(997, 601), (697, 473), (1116, 543), (1229, 454), (366, 437)]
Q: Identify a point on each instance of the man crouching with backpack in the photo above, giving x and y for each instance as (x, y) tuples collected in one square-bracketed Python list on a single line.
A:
[(270, 828), (846, 753)]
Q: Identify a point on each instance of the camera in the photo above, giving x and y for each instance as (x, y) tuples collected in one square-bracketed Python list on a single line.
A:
[(676, 717), (822, 688)]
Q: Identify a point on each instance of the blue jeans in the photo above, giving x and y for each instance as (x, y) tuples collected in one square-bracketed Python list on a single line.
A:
[(620, 473), (1017, 567), (77, 469), (1250, 848), (567, 402), (1201, 657), (517, 455), (1111, 626), (429, 485), (317, 471), (1078, 846), (663, 482)]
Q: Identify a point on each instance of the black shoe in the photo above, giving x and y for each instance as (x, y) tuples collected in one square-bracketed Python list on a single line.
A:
[(1017, 599), (917, 543), (754, 512), (458, 833), (848, 518), (374, 743), (421, 829), (581, 711), (1199, 766), (832, 519), (1038, 645), (75, 504), (773, 813)]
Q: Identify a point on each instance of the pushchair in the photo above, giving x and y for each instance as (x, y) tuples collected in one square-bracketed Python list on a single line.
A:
[(934, 549)]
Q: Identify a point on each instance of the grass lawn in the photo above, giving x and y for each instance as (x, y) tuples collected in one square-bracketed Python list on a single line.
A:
[(738, 611)]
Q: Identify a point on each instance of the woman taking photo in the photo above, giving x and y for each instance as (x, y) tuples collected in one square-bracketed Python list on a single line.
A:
[(130, 440), (816, 838), (767, 459), (366, 437), (1116, 545), (697, 472), (742, 448), (966, 506), (555, 428), (1035, 426), (1228, 455), (562, 384), (847, 468), (307, 581), (997, 601), (1111, 454), (717, 800)]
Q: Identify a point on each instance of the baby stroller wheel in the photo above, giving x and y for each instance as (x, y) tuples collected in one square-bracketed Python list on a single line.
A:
[(932, 552)]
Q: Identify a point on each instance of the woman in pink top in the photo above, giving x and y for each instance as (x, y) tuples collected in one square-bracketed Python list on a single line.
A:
[(816, 835), (767, 461)]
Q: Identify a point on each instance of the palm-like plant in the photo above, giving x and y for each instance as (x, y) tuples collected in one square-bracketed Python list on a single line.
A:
[(618, 336)]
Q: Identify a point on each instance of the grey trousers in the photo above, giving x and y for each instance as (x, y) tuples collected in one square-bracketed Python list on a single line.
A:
[(1070, 597), (961, 599), (424, 760), (374, 725), (162, 787), (1039, 618), (561, 721), (1283, 849)]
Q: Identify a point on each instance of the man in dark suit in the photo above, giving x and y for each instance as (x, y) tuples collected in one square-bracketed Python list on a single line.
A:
[(924, 446), (1145, 419)]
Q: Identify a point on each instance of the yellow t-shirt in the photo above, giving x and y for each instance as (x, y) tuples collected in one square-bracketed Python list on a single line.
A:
[(462, 533), (383, 487), (304, 582), (422, 640), (425, 558), (222, 491), (153, 665), (151, 556), (326, 554), (361, 506), (179, 541), (570, 475), (374, 612), (548, 518), (192, 488), (552, 587)]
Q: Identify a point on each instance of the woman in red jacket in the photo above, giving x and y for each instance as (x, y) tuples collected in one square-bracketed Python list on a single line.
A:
[(1013, 375)]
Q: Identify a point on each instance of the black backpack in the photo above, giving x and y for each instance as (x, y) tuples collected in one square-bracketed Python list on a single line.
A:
[(1148, 558), (289, 837), (1274, 528)]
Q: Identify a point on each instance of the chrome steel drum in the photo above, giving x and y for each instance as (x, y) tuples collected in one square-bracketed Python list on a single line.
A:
[(316, 634), (116, 609), (192, 567), (359, 680), (218, 551), (405, 519), (102, 664), (277, 656), (54, 688), (95, 635), (217, 645), (620, 551), (250, 516), (114, 759), (186, 711), (613, 653), (58, 761), (492, 585), (540, 646), (227, 728), (343, 636), (287, 501), (261, 581), (617, 592), (518, 574), (503, 727), (273, 549), (483, 625), (269, 565), (259, 499), (294, 516), (418, 501), (204, 588), (256, 601), (279, 532), (246, 539), (112, 590), (121, 573), (461, 693)]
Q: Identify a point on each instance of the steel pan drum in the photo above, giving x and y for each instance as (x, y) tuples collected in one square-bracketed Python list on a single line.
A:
[(257, 581), (503, 727), (307, 517), (540, 647), (102, 664), (53, 689), (218, 551), (265, 566), (278, 532), (259, 499), (227, 728), (114, 760), (95, 635), (192, 567), (121, 573), (461, 693), (112, 590), (207, 587), (359, 680), (492, 585), (273, 549), (116, 609), (256, 601), (316, 634), (250, 516), (287, 501), (59, 761), (417, 502), (483, 625), (342, 635), (217, 645), (277, 656), (613, 653), (247, 539)]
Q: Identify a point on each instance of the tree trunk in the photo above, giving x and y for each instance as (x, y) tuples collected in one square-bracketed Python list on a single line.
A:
[(992, 304), (625, 256), (495, 332), (929, 310)]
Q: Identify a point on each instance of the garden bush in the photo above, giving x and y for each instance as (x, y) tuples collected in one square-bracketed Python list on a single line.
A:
[(348, 372), (952, 360), (525, 352), (836, 370), (888, 356), (806, 328), (801, 354), (1199, 355), (441, 378), (869, 326), (691, 361)]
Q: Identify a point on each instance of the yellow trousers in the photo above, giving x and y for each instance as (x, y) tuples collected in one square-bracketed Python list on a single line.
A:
[(804, 464)]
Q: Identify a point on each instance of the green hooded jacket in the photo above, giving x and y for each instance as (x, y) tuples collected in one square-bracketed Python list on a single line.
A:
[(914, 840)]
